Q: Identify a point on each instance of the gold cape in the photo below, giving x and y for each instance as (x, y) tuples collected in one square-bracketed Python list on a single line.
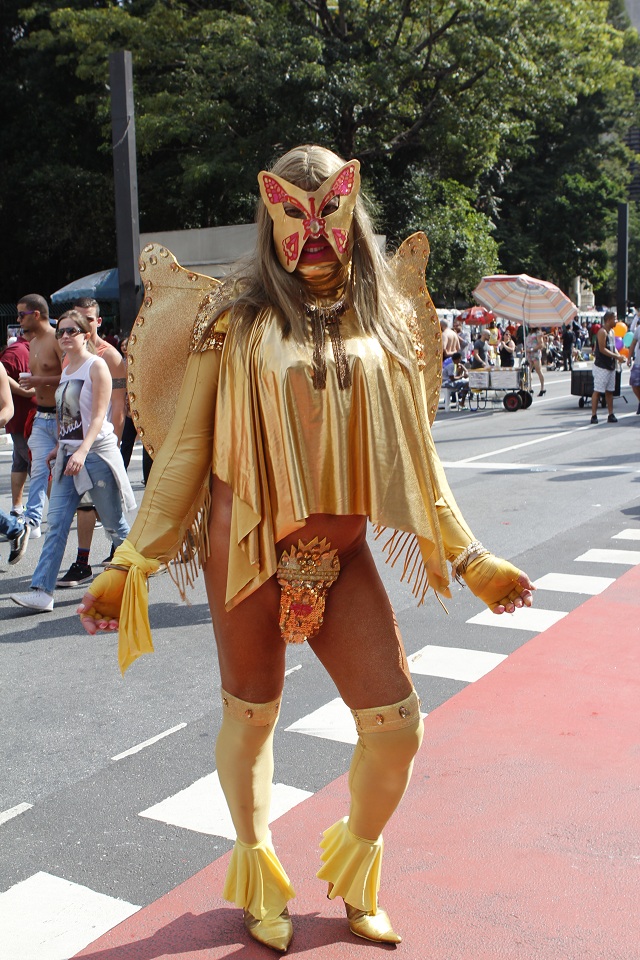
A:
[(289, 450)]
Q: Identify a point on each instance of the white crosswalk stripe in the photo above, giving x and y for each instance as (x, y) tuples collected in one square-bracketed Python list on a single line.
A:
[(573, 583), (203, 808), (629, 534), (629, 557), (332, 721), (528, 618), (453, 663), (48, 918)]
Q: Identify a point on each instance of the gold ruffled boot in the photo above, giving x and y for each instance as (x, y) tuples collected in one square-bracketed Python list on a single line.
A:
[(372, 926), (352, 867), (257, 882), (276, 934)]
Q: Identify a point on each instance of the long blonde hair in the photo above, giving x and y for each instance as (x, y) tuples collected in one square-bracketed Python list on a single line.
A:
[(259, 282)]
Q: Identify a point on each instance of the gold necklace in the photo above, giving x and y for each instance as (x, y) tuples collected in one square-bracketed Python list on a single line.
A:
[(328, 317)]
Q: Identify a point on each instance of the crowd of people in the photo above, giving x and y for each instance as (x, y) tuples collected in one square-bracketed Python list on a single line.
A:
[(503, 344), (67, 391)]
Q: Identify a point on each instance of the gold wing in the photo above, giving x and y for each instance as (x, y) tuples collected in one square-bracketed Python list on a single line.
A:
[(160, 340), (410, 263)]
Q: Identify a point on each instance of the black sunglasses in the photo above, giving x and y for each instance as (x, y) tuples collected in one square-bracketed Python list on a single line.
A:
[(70, 331)]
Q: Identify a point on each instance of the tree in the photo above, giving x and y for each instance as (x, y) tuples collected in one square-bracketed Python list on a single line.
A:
[(469, 117), (558, 199)]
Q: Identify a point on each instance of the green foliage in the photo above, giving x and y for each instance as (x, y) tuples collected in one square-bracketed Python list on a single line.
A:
[(496, 125)]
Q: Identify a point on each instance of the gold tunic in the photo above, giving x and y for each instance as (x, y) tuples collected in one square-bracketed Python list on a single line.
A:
[(288, 450)]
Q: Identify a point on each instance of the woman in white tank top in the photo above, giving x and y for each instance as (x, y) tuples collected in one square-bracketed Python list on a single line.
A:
[(86, 457)]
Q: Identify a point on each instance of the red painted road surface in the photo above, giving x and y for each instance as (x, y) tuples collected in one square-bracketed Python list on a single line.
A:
[(518, 837)]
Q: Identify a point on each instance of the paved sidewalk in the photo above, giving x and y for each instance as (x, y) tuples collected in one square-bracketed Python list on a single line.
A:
[(519, 837)]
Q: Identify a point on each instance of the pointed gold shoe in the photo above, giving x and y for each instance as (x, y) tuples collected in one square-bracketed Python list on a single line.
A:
[(371, 926), (276, 934)]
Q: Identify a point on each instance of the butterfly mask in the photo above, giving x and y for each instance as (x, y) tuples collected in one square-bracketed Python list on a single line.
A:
[(318, 215)]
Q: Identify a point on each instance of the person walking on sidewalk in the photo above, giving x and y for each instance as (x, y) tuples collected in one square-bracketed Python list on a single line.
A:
[(17, 533), (633, 361), (45, 364), (80, 570), (86, 458), (308, 416), (15, 360), (533, 354), (604, 367)]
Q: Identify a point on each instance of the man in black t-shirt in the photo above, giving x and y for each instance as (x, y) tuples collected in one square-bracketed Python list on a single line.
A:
[(480, 360), (568, 340)]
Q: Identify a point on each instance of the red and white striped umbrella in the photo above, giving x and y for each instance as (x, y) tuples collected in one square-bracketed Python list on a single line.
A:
[(523, 299)]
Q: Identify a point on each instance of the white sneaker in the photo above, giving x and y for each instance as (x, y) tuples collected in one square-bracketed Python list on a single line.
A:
[(36, 530), (35, 599)]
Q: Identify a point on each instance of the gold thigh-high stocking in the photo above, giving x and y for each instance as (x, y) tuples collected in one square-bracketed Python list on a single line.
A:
[(388, 739), (256, 880)]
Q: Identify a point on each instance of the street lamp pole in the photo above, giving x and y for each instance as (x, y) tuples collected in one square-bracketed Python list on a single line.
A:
[(123, 133), (622, 291)]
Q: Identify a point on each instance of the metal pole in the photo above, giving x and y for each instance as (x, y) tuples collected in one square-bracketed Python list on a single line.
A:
[(125, 178), (623, 260)]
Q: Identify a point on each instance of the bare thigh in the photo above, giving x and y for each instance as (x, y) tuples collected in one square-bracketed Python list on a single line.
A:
[(359, 643), (251, 652)]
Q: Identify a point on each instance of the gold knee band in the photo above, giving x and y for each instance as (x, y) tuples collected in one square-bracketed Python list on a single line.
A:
[(255, 714), (305, 575), (393, 717)]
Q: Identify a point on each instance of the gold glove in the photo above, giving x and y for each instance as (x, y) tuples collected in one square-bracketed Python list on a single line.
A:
[(107, 590), (498, 583)]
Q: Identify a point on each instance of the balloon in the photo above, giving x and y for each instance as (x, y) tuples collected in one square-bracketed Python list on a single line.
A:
[(620, 329), (618, 342), (628, 339), (624, 351)]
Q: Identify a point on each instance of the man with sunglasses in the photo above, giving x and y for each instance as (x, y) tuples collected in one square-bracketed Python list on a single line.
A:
[(45, 366)]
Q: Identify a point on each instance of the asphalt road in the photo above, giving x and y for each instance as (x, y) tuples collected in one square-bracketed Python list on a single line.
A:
[(540, 486)]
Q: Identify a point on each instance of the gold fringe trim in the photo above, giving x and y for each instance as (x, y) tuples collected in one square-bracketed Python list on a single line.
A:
[(194, 549), (406, 546)]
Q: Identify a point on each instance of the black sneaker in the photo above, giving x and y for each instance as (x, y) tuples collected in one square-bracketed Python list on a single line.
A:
[(108, 559), (594, 419), (612, 418), (76, 574), (19, 544)]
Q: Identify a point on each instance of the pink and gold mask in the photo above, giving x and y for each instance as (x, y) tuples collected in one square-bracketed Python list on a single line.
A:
[(291, 233)]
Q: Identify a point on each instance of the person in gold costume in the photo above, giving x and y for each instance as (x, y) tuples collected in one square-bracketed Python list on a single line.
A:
[(304, 410)]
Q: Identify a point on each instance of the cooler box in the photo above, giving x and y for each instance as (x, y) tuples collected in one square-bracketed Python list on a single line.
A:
[(582, 383)]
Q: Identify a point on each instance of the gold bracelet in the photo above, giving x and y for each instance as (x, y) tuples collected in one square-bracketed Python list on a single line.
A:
[(116, 566), (471, 552)]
